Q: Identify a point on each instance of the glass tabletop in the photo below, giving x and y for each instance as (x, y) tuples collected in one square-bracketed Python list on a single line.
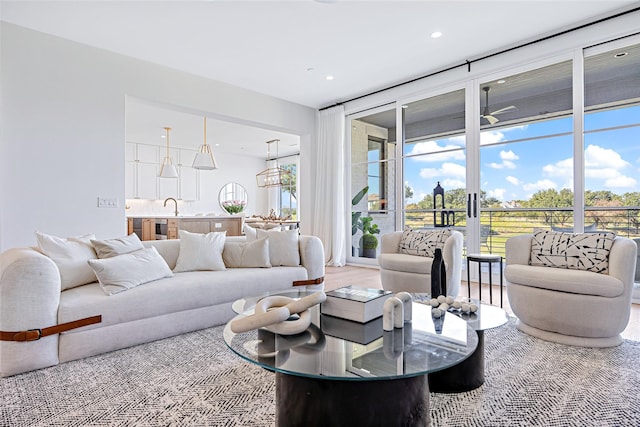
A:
[(335, 348)]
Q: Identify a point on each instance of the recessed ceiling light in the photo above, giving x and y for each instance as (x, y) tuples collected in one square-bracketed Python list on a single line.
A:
[(163, 136), (328, 78), (217, 145), (501, 82), (436, 34), (620, 54)]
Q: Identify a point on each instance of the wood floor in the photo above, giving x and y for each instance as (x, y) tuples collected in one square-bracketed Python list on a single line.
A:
[(337, 277)]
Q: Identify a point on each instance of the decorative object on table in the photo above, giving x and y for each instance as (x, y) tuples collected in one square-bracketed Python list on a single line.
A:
[(353, 303), (273, 313), (204, 159), (438, 274), (272, 216), (392, 314), (168, 170), (397, 311), (368, 240), (273, 176), (442, 304)]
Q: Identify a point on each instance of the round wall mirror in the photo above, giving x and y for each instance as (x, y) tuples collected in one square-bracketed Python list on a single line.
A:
[(233, 198)]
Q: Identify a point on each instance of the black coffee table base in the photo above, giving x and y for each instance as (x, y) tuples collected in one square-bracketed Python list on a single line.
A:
[(304, 401), (465, 376)]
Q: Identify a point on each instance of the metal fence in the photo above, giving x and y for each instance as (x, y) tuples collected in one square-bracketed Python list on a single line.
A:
[(498, 224)]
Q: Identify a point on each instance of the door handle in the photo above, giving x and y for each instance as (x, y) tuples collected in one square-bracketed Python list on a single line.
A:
[(475, 205), (469, 205)]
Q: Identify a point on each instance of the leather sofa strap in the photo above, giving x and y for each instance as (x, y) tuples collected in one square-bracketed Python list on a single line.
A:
[(36, 334), (309, 282)]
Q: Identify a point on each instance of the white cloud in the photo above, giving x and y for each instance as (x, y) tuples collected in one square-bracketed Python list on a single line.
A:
[(597, 157), (563, 168), (507, 160), (436, 153), (508, 155), (513, 180), (600, 163), (543, 184), (498, 193), (492, 137), (452, 183), (447, 170), (621, 182)]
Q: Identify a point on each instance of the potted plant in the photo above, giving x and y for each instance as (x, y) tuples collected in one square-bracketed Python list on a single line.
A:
[(368, 241), (356, 223)]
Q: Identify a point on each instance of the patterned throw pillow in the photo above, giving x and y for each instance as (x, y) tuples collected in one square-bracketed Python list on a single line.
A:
[(581, 251), (423, 242)]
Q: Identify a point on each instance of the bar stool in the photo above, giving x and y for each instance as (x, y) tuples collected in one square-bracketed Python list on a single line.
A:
[(489, 259)]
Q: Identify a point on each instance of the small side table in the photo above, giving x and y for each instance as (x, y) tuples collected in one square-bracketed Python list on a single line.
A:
[(489, 259)]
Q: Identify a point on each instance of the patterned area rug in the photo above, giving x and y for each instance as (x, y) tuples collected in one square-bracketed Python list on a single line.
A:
[(193, 379)]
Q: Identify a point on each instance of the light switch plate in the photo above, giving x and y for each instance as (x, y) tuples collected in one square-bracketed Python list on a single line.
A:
[(107, 202)]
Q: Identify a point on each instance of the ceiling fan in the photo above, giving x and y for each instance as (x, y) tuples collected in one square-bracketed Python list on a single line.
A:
[(490, 116)]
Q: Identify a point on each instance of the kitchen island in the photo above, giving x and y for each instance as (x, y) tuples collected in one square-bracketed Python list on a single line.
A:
[(156, 227)]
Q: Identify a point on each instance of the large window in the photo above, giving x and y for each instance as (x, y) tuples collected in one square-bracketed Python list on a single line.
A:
[(511, 148), (612, 140), (373, 181), (288, 196)]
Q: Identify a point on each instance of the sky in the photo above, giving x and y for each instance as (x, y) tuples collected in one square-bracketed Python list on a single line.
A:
[(516, 170)]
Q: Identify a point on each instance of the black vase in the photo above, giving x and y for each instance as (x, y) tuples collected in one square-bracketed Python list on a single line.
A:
[(438, 275)]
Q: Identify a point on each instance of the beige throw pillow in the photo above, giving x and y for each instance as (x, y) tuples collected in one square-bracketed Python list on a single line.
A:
[(283, 247), (118, 246), (247, 254), (200, 251), (122, 272), (70, 256)]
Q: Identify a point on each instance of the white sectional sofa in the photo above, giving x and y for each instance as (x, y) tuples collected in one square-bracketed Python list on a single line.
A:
[(31, 297)]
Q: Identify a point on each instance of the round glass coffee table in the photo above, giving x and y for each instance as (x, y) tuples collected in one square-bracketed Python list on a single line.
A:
[(340, 372), (469, 374)]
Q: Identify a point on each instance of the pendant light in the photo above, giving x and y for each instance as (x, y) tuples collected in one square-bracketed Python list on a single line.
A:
[(168, 170), (272, 176), (204, 159)]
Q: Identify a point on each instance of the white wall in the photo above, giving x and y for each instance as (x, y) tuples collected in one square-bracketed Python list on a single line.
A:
[(231, 168), (63, 130)]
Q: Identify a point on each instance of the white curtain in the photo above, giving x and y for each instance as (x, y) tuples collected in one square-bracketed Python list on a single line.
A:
[(329, 214)]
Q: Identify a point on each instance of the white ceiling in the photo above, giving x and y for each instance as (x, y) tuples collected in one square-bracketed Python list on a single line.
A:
[(286, 48)]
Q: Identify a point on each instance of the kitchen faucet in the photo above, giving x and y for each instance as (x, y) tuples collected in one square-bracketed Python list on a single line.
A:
[(174, 201)]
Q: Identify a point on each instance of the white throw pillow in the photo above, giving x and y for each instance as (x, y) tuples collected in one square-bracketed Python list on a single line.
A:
[(576, 251), (253, 254), (251, 231), (423, 242), (70, 255), (122, 272), (118, 246), (200, 251), (283, 247)]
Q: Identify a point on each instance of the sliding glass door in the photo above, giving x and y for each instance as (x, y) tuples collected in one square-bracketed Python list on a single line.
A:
[(612, 139), (526, 154), (434, 161), (373, 181)]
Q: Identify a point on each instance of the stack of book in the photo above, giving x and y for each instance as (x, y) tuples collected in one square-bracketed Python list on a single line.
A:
[(353, 303)]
